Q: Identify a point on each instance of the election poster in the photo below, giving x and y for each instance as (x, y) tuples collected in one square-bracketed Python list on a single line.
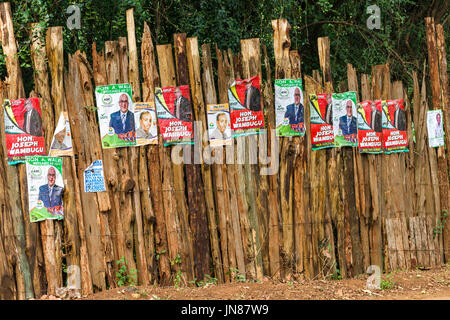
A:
[(145, 120), (321, 121), (62, 138), (395, 137), (45, 188), (344, 119), (370, 135), (435, 128), (219, 124), (94, 178), (289, 109), (246, 112), (23, 129), (116, 115), (174, 112)]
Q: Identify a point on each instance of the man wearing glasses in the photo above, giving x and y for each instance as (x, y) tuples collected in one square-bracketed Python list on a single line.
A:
[(51, 194), (347, 123), (294, 112), (122, 121)]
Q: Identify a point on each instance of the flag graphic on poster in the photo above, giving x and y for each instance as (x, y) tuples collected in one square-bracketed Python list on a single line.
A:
[(370, 138), (321, 112), (289, 108), (246, 113), (344, 119), (435, 128), (145, 120), (94, 179), (23, 129), (174, 112), (45, 188), (62, 138), (219, 124), (116, 115), (395, 136)]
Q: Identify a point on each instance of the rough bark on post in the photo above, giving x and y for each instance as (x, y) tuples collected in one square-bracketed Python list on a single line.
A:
[(173, 213), (41, 82), (195, 194), (150, 81), (219, 189), (15, 90), (251, 66), (225, 77), (135, 156), (199, 110), (437, 101)]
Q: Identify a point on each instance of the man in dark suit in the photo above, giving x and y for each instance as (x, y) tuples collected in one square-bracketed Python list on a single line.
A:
[(294, 111), (122, 121), (182, 105), (252, 99), (51, 194), (399, 118), (347, 123), (329, 110), (32, 122), (375, 118)]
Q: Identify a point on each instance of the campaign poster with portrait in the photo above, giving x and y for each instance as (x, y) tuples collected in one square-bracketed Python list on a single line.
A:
[(370, 133), (345, 124), (62, 138), (435, 126), (246, 111), (115, 110), (23, 129), (395, 136), (219, 124), (174, 112), (321, 121), (145, 120), (289, 108), (45, 188)]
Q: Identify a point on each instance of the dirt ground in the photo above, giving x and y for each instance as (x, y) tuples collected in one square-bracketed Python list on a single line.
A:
[(432, 284)]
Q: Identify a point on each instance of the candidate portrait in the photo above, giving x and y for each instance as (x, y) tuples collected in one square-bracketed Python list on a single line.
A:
[(145, 126), (347, 123), (252, 100), (221, 127), (182, 106), (51, 194), (32, 121), (295, 111), (122, 121)]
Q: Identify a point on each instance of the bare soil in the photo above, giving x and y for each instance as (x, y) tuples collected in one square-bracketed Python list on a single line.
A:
[(432, 284)]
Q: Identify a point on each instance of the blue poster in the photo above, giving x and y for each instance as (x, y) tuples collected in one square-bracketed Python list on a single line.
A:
[(94, 179)]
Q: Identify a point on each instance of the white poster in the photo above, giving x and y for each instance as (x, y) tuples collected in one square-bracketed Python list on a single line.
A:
[(62, 138), (435, 127)]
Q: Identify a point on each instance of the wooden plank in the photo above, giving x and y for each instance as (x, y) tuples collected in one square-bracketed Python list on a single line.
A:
[(170, 193), (88, 151), (217, 190), (135, 155), (251, 66), (288, 152), (150, 81), (16, 90)]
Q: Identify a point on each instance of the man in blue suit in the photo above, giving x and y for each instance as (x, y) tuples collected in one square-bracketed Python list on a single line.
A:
[(51, 194), (294, 112), (122, 121), (347, 123)]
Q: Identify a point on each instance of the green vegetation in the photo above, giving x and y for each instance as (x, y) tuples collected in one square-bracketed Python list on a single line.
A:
[(125, 277), (401, 39), (437, 230), (387, 282)]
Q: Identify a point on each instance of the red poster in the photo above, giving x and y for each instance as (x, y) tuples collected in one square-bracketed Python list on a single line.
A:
[(246, 111), (174, 112), (370, 135), (23, 129), (322, 133), (395, 136)]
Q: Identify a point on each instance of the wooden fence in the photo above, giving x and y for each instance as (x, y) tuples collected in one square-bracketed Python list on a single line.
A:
[(324, 213)]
